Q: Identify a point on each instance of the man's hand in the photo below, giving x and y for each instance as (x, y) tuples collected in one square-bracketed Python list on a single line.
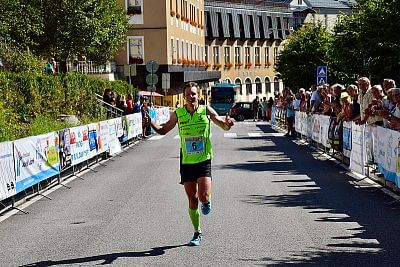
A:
[(228, 121)]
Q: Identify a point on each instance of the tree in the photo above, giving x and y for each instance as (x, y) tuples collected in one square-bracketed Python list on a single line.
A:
[(367, 42), (91, 28), (305, 50)]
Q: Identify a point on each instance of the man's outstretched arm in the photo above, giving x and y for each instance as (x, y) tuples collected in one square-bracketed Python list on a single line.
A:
[(225, 124), (165, 128)]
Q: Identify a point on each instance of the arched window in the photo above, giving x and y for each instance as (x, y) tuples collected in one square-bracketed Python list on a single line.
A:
[(258, 86), (267, 85), (276, 84), (238, 82), (228, 80), (248, 87)]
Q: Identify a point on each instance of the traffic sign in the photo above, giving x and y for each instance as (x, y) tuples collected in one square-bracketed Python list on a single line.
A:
[(322, 80), (322, 75), (130, 70), (152, 66), (322, 71), (151, 79)]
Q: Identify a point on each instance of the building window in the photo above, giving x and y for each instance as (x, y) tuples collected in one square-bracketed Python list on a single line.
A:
[(134, 7), (172, 49), (136, 50), (258, 86), (227, 55), (216, 55), (238, 56), (267, 63), (275, 54), (257, 56), (299, 2), (178, 52), (238, 83), (267, 85), (247, 55), (206, 53), (248, 87)]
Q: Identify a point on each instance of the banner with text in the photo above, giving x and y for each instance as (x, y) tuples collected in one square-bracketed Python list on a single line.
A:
[(113, 142), (357, 154), (387, 157), (102, 137), (79, 140), (7, 174), (36, 159)]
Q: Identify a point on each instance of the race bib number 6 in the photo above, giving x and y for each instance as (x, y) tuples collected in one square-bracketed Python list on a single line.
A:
[(194, 145)]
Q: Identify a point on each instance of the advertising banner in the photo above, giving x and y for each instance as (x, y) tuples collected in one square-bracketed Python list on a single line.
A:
[(92, 139), (131, 126), (162, 115), (387, 152), (124, 137), (347, 139), (79, 140), (102, 137), (297, 121), (357, 154), (113, 142), (137, 121), (324, 124), (36, 159), (316, 132), (152, 114), (120, 126), (65, 150), (7, 174)]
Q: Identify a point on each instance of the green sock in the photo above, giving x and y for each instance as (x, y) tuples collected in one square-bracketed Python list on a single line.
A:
[(195, 218)]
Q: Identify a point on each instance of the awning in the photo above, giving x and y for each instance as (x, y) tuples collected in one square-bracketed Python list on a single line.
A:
[(147, 93)]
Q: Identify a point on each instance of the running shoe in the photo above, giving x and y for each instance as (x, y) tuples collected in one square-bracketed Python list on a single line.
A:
[(206, 208), (196, 239)]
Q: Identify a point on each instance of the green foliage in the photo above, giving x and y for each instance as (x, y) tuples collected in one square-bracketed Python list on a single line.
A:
[(367, 42), (18, 59), (30, 103), (306, 49), (91, 28)]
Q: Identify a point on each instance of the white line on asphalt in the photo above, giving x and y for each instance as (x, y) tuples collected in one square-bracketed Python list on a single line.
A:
[(176, 137), (230, 135), (156, 137), (254, 134)]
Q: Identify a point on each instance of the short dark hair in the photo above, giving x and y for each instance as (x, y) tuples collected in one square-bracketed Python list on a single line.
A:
[(190, 85)]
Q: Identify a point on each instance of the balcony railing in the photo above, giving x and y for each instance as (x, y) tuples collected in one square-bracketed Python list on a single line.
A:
[(86, 67), (264, 3)]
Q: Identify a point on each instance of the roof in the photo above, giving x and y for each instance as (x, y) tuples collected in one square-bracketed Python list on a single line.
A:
[(329, 4)]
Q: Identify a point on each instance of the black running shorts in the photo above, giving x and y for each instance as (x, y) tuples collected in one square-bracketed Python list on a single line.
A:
[(191, 172)]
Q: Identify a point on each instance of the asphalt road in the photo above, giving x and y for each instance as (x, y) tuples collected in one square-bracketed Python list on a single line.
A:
[(275, 202)]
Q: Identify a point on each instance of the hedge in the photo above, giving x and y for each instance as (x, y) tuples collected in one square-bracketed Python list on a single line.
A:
[(30, 104)]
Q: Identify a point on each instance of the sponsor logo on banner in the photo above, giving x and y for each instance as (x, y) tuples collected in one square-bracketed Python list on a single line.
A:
[(79, 140), (36, 159), (102, 137), (387, 153), (357, 157), (124, 137), (7, 174), (65, 149), (347, 139), (113, 142), (92, 139), (131, 126)]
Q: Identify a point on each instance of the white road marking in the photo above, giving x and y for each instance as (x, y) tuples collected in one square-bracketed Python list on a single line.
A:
[(230, 135), (156, 137)]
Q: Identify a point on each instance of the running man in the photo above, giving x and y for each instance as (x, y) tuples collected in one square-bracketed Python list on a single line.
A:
[(196, 152)]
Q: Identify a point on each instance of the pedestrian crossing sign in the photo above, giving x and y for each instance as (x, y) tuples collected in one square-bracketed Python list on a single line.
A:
[(322, 74)]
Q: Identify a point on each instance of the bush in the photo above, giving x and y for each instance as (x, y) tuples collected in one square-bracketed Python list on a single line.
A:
[(32, 102)]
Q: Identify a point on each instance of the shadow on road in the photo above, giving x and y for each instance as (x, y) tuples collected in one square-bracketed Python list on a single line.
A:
[(106, 258), (369, 236)]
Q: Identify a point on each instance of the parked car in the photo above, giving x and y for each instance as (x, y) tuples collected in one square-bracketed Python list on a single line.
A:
[(241, 111)]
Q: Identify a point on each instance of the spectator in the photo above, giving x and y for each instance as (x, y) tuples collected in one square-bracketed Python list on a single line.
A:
[(388, 84), (394, 116), (347, 106), (121, 103), (137, 107), (364, 98), (255, 106), (264, 105), (270, 105), (49, 69), (353, 93), (290, 116), (145, 123), (129, 105), (107, 101)]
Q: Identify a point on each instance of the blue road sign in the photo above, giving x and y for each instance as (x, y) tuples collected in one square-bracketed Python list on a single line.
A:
[(322, 80), (322, 74)]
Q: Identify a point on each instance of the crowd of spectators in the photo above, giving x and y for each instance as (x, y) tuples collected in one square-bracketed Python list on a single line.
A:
[(118, 105), (362, 103)]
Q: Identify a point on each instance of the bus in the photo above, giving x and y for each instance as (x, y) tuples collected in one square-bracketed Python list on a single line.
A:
[(223, 96)]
